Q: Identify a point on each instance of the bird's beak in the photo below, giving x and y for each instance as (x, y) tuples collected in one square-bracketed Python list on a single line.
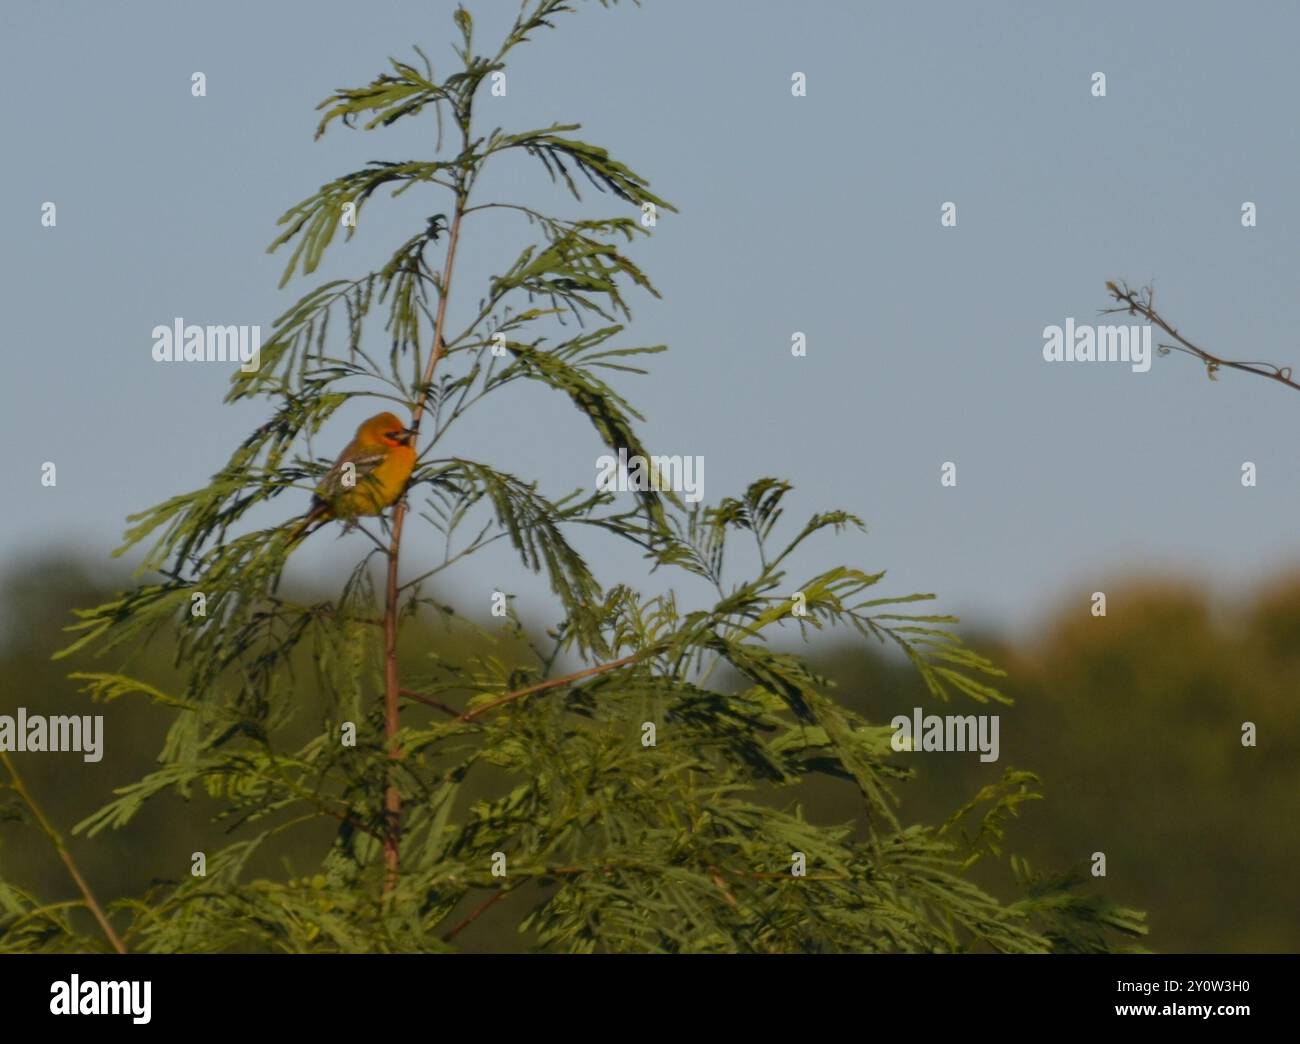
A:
[(408, 434)]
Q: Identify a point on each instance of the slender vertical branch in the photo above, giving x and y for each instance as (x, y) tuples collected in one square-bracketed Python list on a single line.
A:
[(392, 682), (56, 839)]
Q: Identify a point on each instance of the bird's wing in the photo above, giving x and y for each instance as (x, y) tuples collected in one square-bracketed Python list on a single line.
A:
[(342, 479)]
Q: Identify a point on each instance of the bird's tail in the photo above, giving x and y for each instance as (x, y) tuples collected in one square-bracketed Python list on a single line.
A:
[(318, 515)]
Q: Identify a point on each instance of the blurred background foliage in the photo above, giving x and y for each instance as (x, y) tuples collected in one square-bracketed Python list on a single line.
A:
[(1133, 722)]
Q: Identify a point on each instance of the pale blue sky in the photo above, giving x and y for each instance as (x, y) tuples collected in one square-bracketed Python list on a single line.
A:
[(818, 214)]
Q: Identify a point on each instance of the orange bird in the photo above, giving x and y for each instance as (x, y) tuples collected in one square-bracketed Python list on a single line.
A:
[(369, 475)]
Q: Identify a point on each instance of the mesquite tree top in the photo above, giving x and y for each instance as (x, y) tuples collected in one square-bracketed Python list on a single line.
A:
[(648, 797)]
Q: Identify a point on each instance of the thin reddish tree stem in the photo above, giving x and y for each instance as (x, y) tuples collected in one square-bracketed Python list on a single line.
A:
[(476, 913), (392, 685), (411, 694)]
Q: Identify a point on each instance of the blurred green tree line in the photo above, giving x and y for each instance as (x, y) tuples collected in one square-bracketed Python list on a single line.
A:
[(1133, 721)]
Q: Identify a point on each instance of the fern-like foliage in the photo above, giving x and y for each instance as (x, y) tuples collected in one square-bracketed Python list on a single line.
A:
[(518, 781)]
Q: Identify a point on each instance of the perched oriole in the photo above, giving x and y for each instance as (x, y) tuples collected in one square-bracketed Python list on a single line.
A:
[(369, 475)]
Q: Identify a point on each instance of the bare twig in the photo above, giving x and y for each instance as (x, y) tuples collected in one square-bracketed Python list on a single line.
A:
[(411, 694), (476, 913), (47, 828), (1141, 302)]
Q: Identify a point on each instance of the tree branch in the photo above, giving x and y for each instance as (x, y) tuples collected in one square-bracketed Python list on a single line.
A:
[(1141, 302), (477, 912), (553, 683), (392, 685), (411, 694), (47, 828)]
